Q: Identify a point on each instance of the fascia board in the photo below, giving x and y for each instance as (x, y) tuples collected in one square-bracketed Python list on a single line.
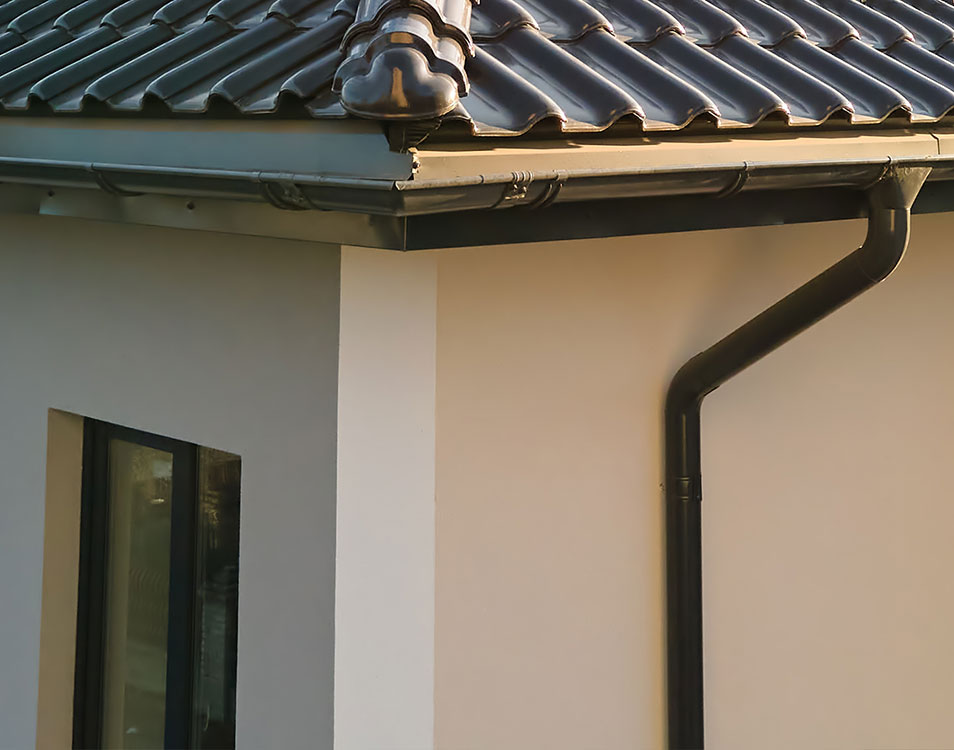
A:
[(445, 161), (353, 149)]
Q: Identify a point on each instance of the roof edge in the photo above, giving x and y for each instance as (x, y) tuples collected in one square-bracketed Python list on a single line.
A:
[(452, 182), (293, 191)]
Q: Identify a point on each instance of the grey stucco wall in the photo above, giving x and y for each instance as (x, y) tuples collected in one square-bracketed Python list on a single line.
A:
[(221, 340)]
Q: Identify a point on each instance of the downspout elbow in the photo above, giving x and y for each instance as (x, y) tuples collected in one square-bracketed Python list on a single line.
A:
[(889, 221), (683, 408), (687, 388), (885, 243), (889, 218)]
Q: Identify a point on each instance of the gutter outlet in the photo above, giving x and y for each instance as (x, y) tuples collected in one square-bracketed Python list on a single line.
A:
[(889, 216)]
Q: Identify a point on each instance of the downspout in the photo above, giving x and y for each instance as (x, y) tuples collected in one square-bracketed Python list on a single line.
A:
[(889, 219)]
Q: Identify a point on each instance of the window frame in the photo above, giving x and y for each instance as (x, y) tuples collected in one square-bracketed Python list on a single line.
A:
[(94, 568)]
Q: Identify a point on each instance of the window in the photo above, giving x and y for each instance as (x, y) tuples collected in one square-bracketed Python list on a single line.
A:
[(158, 599)]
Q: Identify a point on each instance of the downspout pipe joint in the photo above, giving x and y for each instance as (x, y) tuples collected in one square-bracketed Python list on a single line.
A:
[(889, 216)]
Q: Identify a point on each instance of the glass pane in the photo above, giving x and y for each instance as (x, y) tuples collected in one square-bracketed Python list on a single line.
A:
[(220, 476), (137, 596)]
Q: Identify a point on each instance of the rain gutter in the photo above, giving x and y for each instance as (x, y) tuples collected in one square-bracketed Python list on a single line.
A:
[(422, 196), (889, 214)]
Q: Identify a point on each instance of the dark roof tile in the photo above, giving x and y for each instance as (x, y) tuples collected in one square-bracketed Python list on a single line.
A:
[(9, 40), (255, 86), (132, 14), (588, 100), (809, 100), (871, 100), (450, 17), (29, 51), (78, 75), (493, 18), (763, 23), (740, 98), (929, 99), (929, 32), (310, 14), (234, 11), (13, 8), (704, 23), (821, 26), (187, 87), (667, 102), (873, 27), (941, 10), (917, 58), (405, 59), (312, 83), (502, 102), (638, 21), (15, 85), (946, 52), (84, 15), (39, 14), (565, 20), (502, 67), (124, 87), (180, 14)]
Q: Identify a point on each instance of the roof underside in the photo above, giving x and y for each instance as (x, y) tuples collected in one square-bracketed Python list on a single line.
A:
[(503, 67)]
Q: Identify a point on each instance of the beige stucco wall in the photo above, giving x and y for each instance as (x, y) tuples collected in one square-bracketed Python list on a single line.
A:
[(829, 513)]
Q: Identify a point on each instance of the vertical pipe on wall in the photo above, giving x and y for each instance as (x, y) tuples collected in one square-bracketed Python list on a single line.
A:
[(889, 217)]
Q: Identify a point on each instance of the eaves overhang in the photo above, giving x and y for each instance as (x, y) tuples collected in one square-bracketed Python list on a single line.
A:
[(449, 194)]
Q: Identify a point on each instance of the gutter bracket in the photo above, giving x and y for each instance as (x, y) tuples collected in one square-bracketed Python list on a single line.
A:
[(550, 193), (108, 187), (736, 186), (515, 190), (285, 194)]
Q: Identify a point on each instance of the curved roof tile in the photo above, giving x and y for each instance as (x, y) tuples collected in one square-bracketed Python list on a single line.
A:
[(502, 67)]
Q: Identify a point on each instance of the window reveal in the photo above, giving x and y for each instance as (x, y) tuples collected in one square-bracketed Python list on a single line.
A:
[(157, 621)]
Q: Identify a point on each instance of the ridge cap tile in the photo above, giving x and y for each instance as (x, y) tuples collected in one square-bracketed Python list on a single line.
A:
[(405, 59)]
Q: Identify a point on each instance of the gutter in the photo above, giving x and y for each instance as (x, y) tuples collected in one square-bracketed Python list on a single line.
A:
[(889, 216), (421, 196)]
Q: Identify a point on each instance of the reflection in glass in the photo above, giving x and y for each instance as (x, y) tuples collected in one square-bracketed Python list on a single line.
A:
[(216, 602), (137, 596)]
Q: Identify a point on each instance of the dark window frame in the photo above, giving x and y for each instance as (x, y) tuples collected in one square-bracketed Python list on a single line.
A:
[(93, 569)]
